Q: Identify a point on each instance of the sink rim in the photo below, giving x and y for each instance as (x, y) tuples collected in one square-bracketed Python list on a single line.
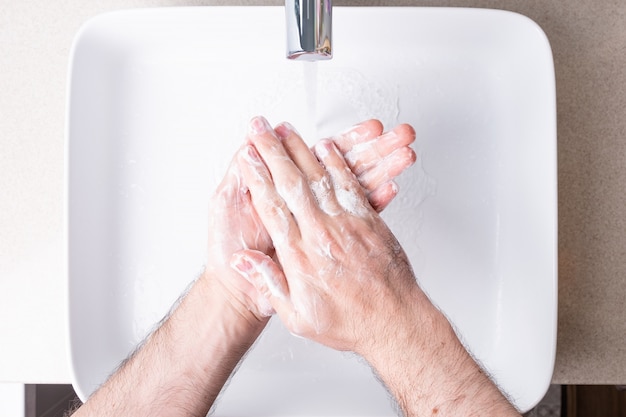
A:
[(112, 15)]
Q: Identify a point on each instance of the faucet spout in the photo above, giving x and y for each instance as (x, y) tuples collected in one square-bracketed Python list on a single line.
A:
[(309, 29)]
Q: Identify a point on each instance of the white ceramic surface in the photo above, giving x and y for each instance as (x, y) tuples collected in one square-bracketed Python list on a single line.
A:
[(158, 102)]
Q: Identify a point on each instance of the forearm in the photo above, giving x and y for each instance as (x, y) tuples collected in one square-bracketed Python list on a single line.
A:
[(181, 368), (429, 372)]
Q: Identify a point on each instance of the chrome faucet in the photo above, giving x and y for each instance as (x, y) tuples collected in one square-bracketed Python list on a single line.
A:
[(309, 29)]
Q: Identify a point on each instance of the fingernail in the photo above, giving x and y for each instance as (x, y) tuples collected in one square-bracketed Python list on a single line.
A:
[(252, 154), (285, 129), (330, 146), (323, 148), (259, 125)]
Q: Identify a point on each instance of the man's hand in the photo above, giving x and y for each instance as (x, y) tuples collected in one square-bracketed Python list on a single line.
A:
[(341, 265), (344, 281), (376, 159), (183, 365)]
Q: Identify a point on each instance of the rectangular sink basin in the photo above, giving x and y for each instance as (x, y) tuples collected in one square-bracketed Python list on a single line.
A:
[(159, 101)]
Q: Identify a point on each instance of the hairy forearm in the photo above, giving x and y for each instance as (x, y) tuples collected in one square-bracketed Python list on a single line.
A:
[(181, 367), (428, 371)]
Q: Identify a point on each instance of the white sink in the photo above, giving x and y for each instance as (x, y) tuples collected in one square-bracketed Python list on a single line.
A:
[(158, 102)]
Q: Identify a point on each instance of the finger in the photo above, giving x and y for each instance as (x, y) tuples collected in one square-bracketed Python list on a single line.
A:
[(299, 152), (347, 190), (380, 197), (289, 181), (268, 204), (367, 155), (230, 184), (388, 168), (316, 175), (363, 132), (228, 198), (266, 276)]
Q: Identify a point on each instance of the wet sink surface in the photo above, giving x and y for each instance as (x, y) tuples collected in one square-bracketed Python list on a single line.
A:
[(159, 101)]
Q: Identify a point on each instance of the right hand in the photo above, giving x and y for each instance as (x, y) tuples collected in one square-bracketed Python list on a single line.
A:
[(343, 272), (376, 159)]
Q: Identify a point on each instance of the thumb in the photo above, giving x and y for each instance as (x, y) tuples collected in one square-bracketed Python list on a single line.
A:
[(266, 276)]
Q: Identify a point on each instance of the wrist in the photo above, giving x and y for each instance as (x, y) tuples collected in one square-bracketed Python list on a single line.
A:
[(205, 338), (183, 365), (406, 335), (427, 369), (213, 313)]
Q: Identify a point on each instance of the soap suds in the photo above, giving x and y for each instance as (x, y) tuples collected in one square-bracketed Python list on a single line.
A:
[(352, 156), (265, 271), (325, 251), (293, 196), (350, 201), (321, 151), (279, 238), (322, 192)]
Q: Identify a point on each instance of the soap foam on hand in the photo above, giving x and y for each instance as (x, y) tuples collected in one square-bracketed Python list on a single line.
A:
[(346, 197)]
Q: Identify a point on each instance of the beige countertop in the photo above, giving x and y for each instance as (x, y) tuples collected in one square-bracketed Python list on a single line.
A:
[(588, 39)]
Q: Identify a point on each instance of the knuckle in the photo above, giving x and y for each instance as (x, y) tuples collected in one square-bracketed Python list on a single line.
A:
[(276, 206), (290, 185), (320, 185)]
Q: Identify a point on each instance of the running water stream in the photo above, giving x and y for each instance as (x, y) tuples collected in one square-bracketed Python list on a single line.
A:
[(310, 80)]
